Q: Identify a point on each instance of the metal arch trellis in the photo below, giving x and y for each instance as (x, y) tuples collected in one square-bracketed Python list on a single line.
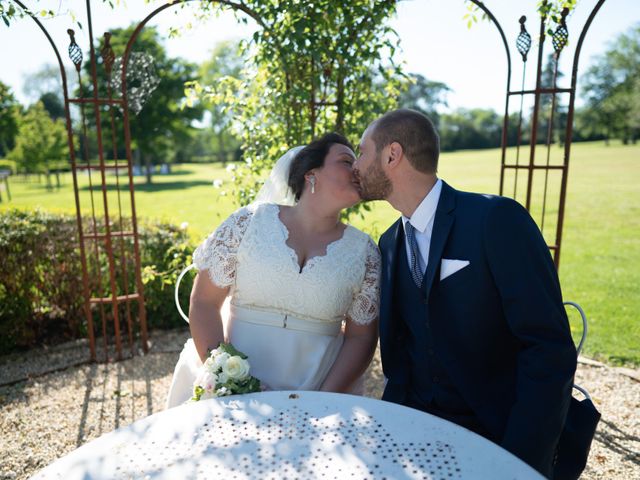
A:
[(97, 244), (559, 39), (70, 142)]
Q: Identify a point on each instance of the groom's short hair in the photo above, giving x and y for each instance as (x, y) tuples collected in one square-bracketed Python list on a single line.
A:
[(415, 132)]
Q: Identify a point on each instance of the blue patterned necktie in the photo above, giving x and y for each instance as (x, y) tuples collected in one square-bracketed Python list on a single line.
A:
[(416, 271)]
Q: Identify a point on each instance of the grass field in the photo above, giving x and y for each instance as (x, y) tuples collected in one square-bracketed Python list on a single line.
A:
[(600, 262)]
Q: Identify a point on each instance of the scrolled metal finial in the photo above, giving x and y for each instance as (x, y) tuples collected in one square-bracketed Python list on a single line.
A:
[(523, 42), (106, 52), (561, 35), (75, 52)]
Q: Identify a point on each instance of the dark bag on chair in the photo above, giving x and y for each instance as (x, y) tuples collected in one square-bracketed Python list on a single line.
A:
[(575, 440)]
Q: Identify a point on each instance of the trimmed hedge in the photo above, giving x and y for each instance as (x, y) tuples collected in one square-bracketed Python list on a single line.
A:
[(41, 291)]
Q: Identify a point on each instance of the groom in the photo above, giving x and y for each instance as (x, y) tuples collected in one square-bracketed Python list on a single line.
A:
[(472, 326)]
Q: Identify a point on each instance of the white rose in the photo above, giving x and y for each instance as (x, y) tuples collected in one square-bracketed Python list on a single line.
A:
[(219, 360), (236, 368), (210, 365)]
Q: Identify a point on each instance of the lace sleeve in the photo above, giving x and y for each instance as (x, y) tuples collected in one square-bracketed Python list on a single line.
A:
[(366, 303), (217, 254)]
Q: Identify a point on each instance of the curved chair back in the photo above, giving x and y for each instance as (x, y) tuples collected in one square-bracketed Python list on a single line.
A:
[(574, 444), (182, 274), (582, 340)]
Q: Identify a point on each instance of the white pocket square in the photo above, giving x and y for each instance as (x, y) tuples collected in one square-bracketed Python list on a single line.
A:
[(449, 267)]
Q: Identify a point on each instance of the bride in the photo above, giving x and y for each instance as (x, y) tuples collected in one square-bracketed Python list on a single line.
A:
[(304, 287)]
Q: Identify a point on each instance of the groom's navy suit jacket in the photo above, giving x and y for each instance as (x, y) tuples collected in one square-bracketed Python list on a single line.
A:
[(499, 327)]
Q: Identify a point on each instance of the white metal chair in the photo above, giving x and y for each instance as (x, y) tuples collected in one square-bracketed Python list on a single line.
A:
[(582, 340), (582, 420), (182, 274)]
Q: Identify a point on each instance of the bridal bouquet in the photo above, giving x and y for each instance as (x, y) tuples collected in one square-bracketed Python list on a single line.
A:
[(224, 372)]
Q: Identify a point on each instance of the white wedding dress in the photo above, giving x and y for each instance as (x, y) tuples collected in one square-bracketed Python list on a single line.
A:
[(288, 322)]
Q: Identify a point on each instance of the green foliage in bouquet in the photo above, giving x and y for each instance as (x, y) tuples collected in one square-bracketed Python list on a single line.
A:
[(224, 372)]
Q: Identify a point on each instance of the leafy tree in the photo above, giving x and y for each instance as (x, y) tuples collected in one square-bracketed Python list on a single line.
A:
[(611, 88), (47, 79), (425, 96), (470, 128), (226, 63), (52, 104), (10, 10), (9, 114), (204, 147), (41, 143), (551, 9), (315, 67)]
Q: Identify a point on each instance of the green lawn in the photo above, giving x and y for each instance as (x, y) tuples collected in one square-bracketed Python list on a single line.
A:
[(600, 260)]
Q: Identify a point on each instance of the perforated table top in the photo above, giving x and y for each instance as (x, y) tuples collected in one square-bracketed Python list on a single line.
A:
[(290, 435)]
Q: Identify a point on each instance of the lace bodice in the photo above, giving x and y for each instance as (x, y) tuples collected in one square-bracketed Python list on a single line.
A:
[(249, 253)]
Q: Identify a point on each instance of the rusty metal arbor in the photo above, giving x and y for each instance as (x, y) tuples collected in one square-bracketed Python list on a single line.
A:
[(108, 242), (531, 181)]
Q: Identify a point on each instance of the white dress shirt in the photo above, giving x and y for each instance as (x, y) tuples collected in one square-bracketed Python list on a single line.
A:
[(422, 221)]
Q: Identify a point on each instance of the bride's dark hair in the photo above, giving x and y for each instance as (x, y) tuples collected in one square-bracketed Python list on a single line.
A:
[(310, 157)]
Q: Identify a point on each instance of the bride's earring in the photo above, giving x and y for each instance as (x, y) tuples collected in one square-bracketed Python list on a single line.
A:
[(312, 181)]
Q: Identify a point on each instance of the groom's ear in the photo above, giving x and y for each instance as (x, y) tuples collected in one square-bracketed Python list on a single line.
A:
[(395, 154)]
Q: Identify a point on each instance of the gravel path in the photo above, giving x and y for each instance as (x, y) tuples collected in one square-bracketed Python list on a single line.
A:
[(45, 416)]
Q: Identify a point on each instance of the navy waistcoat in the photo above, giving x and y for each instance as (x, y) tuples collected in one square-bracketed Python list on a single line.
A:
[(431, 389)]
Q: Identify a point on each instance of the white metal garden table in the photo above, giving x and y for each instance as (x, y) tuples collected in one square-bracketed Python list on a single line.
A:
[(286, 435)]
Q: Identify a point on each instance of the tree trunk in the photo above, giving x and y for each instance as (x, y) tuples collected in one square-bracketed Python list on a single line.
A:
[(221, 149), (6, 185), (136, 162), (147, 167)]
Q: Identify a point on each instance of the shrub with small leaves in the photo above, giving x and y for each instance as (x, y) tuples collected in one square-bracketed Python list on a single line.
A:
[(41, 288)]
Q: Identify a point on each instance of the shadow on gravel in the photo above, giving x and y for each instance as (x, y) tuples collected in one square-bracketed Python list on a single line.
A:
[(618, 441)]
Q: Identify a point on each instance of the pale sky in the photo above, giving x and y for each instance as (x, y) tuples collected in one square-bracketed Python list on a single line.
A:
[(434, 40)]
